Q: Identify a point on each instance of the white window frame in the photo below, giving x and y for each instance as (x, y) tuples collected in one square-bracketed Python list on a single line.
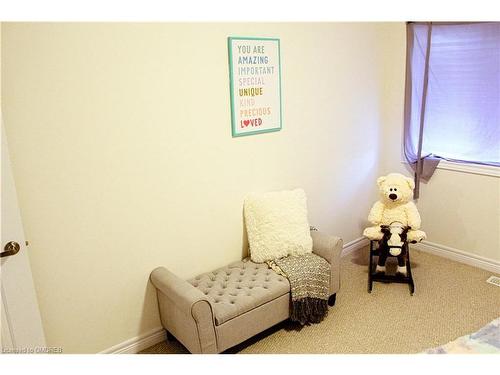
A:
[(470, 168)]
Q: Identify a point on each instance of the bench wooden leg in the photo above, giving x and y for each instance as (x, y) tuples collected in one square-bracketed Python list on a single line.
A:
[(170, 337)]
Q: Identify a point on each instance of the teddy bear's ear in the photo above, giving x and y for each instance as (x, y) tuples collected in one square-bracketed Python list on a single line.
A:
[(380, 180), (410, 182)]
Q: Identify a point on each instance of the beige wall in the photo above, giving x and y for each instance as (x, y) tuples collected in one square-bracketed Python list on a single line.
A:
[(459, 210), (0, 66), (123, 156)]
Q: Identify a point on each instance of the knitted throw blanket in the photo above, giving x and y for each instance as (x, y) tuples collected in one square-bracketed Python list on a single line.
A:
[(309, 277)]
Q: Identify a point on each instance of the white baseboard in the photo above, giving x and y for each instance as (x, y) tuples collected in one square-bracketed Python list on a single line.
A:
[(138, 343), (459, 256), (436, 249), (354, 245)]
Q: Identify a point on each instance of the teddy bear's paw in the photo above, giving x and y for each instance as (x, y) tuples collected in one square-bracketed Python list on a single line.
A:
[(373, 233), (415, 236), (380, 269)]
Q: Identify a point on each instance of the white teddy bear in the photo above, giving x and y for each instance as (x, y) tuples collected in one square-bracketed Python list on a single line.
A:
[(395, 205), (395, 216)]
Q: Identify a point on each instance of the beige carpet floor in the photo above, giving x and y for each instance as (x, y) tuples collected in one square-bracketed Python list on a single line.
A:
[(451, 299)]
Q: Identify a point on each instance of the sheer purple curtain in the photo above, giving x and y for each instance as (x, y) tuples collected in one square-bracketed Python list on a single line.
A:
[(452, 103)]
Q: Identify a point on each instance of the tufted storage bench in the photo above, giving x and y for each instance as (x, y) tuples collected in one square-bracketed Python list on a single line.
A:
[(217, 310), (239, 288)]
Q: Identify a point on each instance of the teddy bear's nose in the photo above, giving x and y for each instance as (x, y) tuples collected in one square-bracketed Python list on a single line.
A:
[(393, 196)]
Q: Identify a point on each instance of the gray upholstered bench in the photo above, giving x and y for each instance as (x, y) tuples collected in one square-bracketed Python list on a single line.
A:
[(217, 310)]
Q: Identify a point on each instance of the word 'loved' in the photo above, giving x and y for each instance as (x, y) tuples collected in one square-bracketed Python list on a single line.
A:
[(255, 122)]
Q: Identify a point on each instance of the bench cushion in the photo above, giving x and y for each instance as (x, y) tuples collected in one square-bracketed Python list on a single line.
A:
[(240, 287)]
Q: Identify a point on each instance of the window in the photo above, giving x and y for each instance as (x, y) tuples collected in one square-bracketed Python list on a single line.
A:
[(452, 107)]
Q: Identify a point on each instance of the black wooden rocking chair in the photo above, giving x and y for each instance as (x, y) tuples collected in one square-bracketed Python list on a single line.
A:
[(381, 248)]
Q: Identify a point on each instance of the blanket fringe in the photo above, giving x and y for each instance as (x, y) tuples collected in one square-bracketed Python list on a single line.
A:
[(309, 310)]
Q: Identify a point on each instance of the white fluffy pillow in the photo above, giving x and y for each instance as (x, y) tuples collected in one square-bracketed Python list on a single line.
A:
[(277, 225)]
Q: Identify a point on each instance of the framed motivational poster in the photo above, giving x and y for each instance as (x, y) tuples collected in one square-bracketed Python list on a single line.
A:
[(255, 84)]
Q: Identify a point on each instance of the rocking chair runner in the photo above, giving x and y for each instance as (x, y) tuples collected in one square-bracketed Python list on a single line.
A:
[(375, 250)]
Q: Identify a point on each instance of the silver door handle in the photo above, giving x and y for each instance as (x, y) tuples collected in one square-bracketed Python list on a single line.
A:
[(11, 248)]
